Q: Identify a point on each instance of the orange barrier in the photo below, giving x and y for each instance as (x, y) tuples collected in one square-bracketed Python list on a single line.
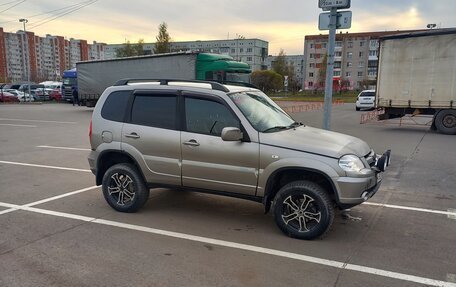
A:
[(308, 106)]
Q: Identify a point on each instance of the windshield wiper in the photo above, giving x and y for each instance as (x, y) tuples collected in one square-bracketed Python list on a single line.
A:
[(276, 128), (279, 128)]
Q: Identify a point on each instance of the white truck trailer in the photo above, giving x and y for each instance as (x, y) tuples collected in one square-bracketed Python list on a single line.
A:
[(417, 75)]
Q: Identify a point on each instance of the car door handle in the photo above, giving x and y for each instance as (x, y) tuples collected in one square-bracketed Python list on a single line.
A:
[(192, 143), (133, 136)]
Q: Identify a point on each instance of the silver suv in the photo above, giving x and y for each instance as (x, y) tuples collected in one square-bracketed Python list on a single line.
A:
[(226, 140)]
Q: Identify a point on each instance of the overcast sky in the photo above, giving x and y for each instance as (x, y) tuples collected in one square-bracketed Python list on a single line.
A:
[(282, 23)]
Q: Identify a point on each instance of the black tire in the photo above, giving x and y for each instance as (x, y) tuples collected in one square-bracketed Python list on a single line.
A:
[(309, 198), (124, 188), (445, 122), (357, 108)]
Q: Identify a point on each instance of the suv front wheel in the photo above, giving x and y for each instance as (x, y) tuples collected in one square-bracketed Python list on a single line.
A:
[(124, 189), (303, 210)]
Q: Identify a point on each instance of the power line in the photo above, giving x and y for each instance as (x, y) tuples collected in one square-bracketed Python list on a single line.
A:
[(12, 6), (9, 2), (48, 12), (52, 18)]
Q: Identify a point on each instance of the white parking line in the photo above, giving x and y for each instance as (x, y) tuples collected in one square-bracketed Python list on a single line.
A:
[(452, 214), (7, 211), (44, 166), (38, 121), (449, 213), (23, 126), (65, 148), (60, 196), (240, 246)]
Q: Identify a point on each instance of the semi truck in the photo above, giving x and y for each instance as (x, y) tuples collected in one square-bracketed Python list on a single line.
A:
[(95, 76), (417, 76), (69, 85)]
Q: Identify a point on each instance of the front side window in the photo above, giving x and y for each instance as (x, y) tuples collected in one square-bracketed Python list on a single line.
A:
[(262, 113), (157, 111), (208, 117)]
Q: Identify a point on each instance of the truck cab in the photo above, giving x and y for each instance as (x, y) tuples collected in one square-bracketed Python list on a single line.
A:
[(69, 85)]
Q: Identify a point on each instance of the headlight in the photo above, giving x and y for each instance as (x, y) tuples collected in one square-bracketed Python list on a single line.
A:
[(351, 162)]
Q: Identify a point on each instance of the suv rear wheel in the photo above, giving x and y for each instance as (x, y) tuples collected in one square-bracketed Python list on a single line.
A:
[(303, 210), (124, 189)]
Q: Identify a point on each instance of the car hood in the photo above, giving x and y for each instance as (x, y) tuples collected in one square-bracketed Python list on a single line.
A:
[(318, 141)]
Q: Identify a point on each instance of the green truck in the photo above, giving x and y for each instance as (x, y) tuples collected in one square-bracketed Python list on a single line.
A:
[(93, 77)]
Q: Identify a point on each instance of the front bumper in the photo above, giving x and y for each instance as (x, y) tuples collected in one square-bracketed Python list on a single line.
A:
[(356, 190)]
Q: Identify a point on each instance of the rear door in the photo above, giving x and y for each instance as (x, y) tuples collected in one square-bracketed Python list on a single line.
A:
[(152, 134), (208, 162)]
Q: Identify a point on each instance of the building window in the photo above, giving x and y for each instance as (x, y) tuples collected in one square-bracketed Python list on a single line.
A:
[(337, 65), (311, 84), (249, 50), (249, 59), (361, 44), (336, 73), (241, 50), (338, 54), (361, 64), (348, 74), (324, 45), (349, 55), (360, 74), (338, 44), (311, 55), (372, 72), (312, 65), (361, 54), (311, 75), (233, 51), (311, 45), (373, 53), (349, 64)]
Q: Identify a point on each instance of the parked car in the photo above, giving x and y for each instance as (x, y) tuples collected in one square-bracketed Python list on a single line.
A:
[(21, 95), (55, 95), (365, 100), (226, 140), (36, 90), (7, 97)]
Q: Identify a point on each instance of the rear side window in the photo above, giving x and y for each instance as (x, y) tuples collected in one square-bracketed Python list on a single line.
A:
[(157, 111), (115, 106)]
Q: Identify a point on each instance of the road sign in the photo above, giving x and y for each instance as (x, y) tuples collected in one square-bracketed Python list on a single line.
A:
[(285, 81), (328, 4), (343, 20)]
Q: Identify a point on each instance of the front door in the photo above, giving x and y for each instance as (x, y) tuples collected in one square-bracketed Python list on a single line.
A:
[(208, 162)]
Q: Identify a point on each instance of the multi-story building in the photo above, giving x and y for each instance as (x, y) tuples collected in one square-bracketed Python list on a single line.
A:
[(355, 59), (297, 61), (26, 57), (251, 51)]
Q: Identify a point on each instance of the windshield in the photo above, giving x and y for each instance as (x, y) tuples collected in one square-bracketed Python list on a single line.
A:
[(238, 77), (263, 113), (70, 81)]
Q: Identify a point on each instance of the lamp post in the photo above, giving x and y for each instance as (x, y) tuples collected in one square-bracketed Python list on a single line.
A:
[(24, 21)]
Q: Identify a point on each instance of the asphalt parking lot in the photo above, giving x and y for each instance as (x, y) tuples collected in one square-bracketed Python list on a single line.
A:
[(57, 230)]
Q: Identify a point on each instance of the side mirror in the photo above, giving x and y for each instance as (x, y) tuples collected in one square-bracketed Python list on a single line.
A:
[(231, 134)]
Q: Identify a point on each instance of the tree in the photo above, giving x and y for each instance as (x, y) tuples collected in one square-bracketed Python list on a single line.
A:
[(129, 50), (163, 44), (267, 80), (280, 64)]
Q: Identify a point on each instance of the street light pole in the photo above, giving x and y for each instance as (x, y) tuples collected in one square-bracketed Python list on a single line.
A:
[(24, 21)]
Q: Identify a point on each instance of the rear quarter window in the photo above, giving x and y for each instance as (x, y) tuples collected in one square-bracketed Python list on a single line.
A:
[(115, 106)]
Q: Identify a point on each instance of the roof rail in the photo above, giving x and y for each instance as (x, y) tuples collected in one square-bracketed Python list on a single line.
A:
[(214, 85), (241, 84)]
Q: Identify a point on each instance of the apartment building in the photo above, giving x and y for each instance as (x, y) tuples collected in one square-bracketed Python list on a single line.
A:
[(25, 56), (251, 51), (297, 61), (355, 59)]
